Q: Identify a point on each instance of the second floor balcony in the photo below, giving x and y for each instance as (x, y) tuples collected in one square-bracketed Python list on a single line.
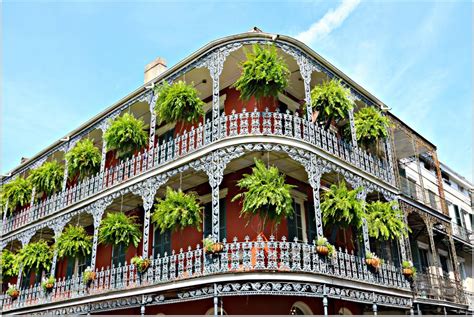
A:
[(420, 194), (235, 128)]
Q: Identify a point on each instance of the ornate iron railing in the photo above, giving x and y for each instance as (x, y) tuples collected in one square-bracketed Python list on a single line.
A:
[(438, 287), (234, 125), (462, 233), (247, 256)]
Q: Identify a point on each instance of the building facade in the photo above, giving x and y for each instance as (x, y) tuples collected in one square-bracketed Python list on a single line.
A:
[(259, 271)]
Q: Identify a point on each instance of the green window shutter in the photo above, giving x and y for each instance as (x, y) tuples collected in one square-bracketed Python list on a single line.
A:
[(70, 266), (222, 219), (207, 219), (162, 243), (415, 253), (310, 221)]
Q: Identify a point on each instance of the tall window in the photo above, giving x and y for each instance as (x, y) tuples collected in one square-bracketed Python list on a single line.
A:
[(222, 219), (444, 264), (310, 221), (458, 215), (161, 243), (296, 224), (432, 197), (118, 254)]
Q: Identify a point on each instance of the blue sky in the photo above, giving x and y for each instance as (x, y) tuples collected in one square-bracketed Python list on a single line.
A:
[(65, 62)]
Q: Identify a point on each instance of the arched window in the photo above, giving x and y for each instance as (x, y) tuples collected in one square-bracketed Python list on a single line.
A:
[(220, 311), (344, 311), (300, 308)]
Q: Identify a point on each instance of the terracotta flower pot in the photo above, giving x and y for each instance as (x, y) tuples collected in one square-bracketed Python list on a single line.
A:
[(368, 261), (322, 249), (217, 247), (408, 272), (49, 286), (14, 295)]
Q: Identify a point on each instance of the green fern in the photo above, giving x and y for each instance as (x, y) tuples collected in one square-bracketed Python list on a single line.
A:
[(35, 256), (83, 160), (370, 125), (177, 211), (332, 101), (9, 264), (73, 241), (126, 135), (385, 220), (340, 206), (47, 178), (17, 192), (117, 228), (178, 102), (266, 194), (264, 73)]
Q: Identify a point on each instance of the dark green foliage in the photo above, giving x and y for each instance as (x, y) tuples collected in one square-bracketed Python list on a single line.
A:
[(385, 220), (9, 264), (341, 207), (332, 101), (74, 241), (264, 73), (83, 160), (47, 178), (177, 211), (117, 228), (17, 192), (126, 135), (35, 256), (370, 125), (266, 194), (178, 102)]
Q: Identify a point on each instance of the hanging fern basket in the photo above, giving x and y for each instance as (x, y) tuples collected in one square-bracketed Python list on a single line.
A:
[(264, 73), (126, 135), (177, 211)]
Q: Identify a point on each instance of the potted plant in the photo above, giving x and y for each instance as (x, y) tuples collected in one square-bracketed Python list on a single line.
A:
[(323, 247), (35, 255), (373, 261), (331, 101), (83, 160), (211, 246), (48, 283), (117, 228), (370, 126), (177, 210), (13, 291), (264, 73), (340, 206), (9, 264), (126, 135), (409, 271), (385, 220), (73, 241), (88, 276), (142, 264), (47, 178), (266, 195), (178, 102), (17, 192)]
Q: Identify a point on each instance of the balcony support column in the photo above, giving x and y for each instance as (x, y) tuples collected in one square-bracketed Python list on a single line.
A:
[(58, 228), (391, 168), (444, 206), (374, 304), (24, 239), (151, 140), (103, 126), (325, 300), (362, 195), (454, 258), (214, 62), (97, 211), (147, 192), (429, 221), (418, 167)]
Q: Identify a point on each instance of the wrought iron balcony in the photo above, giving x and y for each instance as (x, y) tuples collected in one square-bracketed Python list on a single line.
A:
[(238, 125), (462, 233), (418, 193), (236, 257), (438, 287)]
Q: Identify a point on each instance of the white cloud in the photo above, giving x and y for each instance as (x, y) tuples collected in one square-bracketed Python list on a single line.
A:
[(330, 21)]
